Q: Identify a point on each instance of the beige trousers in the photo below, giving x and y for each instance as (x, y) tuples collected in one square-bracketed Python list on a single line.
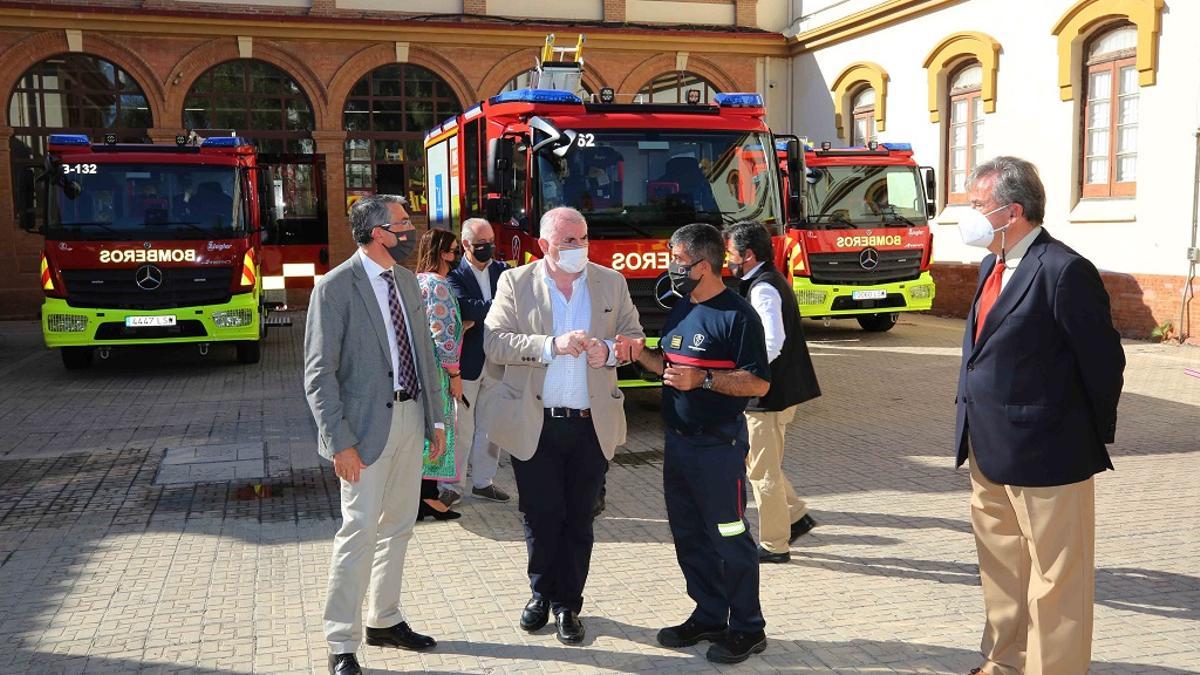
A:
[(471, 444), (377, 520), (1037, 564), (778, 505)]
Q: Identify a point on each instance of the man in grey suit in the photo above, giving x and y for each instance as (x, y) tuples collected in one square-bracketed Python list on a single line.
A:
[(372, 383)]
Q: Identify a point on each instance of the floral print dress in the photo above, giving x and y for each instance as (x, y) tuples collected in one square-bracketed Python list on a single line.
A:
[(445, 328)]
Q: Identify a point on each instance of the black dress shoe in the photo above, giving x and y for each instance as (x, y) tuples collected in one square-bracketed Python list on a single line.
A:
[(400, 636), (570, 628), (535, 615), (736, 646), (801, 528), (427, 509), (689, 633), (344, 664), (765, 556)]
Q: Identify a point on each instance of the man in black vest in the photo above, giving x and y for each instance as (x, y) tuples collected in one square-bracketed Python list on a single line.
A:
[(782, 516)]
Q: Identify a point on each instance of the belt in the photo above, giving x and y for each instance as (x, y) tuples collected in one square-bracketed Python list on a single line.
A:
[(402, 396), (560, 413)]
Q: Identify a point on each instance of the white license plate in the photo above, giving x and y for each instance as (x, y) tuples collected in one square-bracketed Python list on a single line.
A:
[(869, 295), (142, 321)]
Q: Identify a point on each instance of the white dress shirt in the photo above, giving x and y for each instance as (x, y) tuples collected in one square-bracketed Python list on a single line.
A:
[(566, 375), (1013, 256), (484, 279), (766, 301), (379, 285)]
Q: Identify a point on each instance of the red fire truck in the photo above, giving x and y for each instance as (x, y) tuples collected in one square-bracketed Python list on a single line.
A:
[(636, 171), (151, 244), (864, 240)]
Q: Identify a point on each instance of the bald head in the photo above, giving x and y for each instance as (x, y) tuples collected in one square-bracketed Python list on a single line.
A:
[(553, 221), (477, 230)]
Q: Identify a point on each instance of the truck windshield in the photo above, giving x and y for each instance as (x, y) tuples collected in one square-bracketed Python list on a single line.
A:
[(635, 184), (144, 201), (864, 196)]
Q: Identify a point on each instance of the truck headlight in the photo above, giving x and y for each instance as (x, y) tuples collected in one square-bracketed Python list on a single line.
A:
[(233, 318), (67, 323), (811, 297), (922, 292)]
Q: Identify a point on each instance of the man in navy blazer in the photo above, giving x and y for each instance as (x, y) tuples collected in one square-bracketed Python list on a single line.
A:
[(1037, 402), (474, 283)]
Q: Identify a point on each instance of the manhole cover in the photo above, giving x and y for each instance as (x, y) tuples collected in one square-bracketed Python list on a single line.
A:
[(212, 463)]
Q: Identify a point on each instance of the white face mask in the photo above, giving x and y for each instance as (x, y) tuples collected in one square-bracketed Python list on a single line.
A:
[(976, 230), (572, 260)]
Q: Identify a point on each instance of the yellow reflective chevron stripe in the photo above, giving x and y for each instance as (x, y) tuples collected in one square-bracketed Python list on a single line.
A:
[(731, 529)]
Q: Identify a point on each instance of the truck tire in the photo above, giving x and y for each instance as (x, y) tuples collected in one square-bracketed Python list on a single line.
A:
[(249, 351), (76, 358), (878, 323)]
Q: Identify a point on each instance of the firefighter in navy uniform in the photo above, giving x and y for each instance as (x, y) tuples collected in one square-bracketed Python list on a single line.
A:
[(713, 359)]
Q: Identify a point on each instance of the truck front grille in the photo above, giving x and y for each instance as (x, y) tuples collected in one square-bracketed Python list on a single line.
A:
[(115, 330), (845, 268), (118, 288)]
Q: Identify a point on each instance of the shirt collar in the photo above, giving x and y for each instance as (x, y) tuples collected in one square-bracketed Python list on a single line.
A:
[(1012, 257), (747, 275), (371, 267)]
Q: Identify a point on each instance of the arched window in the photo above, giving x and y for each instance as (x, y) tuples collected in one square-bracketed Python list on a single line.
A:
[(674, 87), (386, 116), (522, 81), (965, 130), (862, 108), (257, 100), (69, 93), (1110, 114)]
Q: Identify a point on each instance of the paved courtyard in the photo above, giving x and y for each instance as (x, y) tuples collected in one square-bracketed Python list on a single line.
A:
[(114, 559)]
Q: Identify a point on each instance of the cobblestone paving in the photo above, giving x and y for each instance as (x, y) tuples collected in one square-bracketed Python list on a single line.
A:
[(102, 570)]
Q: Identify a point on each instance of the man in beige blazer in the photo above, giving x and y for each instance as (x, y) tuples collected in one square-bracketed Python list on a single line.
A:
[(557, 409)]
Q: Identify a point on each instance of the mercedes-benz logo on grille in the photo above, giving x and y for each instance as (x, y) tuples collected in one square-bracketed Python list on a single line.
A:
[(148, 277), (868, 259), (664, 295)]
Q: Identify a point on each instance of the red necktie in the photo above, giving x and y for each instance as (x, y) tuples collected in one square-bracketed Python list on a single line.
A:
[(991, 291)]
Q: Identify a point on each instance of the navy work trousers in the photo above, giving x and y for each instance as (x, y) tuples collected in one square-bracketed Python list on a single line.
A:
[(704, 482), (558, 488)]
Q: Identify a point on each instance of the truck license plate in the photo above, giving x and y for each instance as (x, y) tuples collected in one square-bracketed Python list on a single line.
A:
[(143, 321), (869, 295)]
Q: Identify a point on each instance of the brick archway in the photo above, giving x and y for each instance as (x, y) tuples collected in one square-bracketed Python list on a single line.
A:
[(665, 63), (198, 61), (518, 62), (368, 59), (37, 48)]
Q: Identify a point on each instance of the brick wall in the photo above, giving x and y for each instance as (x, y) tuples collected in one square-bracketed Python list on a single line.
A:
[(614, 11), (746, 12), (1139, 301)]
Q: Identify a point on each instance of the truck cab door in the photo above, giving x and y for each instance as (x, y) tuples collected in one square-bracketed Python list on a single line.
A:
[(294, 209)]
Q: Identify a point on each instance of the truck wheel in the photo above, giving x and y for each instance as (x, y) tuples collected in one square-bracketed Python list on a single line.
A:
[(249, 351), (878, 323), (76, 358)]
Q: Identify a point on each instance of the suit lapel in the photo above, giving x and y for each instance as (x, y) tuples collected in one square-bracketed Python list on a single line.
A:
[(1013, 292), (367, 293), (468, 276), (541, 292), (984, 274)]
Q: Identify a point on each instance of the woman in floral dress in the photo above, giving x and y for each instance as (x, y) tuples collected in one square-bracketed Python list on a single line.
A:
[(437, 254)]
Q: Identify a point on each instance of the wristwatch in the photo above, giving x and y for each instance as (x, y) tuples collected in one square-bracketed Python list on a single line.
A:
[(708, 380)]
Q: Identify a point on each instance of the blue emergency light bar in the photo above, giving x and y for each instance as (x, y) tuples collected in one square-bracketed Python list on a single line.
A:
[(739, 100), (535, 96), (69, 139), (896, 146), (223, 142)]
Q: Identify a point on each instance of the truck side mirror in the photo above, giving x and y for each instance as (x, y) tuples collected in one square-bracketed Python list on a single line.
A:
[(500, 171), (930, 191), (498, 209), (795, 178)]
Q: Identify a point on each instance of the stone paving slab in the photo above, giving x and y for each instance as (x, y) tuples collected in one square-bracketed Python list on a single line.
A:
[(104, 571)]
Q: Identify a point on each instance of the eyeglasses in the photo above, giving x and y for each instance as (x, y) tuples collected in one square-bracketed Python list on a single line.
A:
[(406, 224)]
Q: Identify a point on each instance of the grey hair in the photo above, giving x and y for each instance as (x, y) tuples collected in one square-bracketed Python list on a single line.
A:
[(701, 241), (554, 217), (369, 213), (1016, 182), (468, 228)]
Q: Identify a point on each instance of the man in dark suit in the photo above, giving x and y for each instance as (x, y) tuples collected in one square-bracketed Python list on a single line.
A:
[(1037, 402), (474, 283)]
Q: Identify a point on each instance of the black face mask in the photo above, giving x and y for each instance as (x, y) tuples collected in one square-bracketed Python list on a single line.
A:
[(402, 249), (483, 252), (681, 281)]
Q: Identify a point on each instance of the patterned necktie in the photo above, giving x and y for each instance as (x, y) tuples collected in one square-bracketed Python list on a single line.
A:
[(406, 370), (991, 291)]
